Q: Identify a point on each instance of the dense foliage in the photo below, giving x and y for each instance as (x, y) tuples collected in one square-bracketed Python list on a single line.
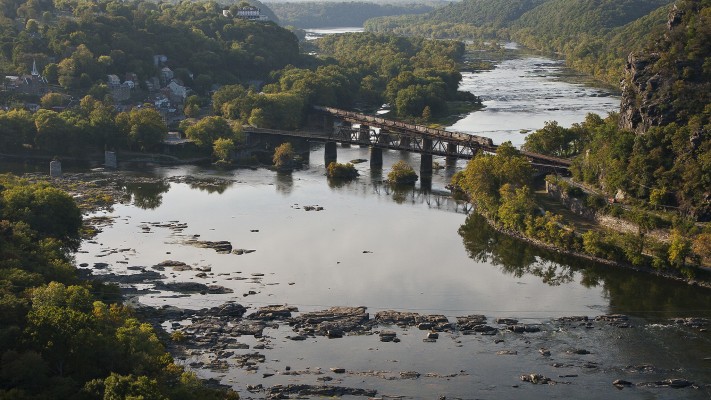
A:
[(283, 158), (78, 43), (61, 337), (402, 173), (355, 69), (595, 36), (335, 14), (341, 171)]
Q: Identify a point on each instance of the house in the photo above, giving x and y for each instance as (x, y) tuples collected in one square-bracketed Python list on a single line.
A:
[(251, 13), (153, 84), (177, 93), (113, 80), (166, 74), (119, 91), (159, 59)]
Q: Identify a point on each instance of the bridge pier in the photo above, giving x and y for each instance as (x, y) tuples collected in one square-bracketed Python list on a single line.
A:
[(330, 153), (451, 149), (376, 158), (426, 157), (364, 135), (405, 141), (384, 136)]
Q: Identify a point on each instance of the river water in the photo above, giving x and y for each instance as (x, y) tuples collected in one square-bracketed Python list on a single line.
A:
[(410, 250), (522, 93)]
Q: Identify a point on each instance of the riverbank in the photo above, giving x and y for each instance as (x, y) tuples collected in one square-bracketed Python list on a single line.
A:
[(331, 260), (547, 246)]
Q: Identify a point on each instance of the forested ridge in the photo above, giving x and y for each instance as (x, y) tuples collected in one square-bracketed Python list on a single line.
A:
[(339, 14), (228, 72), (594, 36)]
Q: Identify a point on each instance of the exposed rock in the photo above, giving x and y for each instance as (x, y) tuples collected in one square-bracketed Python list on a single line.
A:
[(470, 322), (345, 319), (404, 319), (279, 391), (409, 375), (506, 321), (520, 328), (695, 323), (221, 246), (192, 287), (620, 383), (387, 336), (273, 312), (506, 353), (675, 383), (537, 379), (141, 277)]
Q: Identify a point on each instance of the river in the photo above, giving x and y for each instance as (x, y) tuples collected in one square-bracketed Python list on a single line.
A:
[(413, 251)]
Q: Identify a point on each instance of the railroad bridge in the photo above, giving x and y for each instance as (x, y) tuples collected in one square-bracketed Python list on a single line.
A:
[(338, 127)]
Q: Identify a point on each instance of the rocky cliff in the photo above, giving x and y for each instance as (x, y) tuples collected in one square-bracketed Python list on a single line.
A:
[(670, 81)]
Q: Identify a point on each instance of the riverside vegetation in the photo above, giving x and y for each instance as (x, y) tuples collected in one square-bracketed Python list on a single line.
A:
[(60, 336), (653, 155)]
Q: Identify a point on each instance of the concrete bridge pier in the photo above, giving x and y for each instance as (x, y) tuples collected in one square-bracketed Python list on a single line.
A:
[(330, 153), (425, 158), (376, 158), (451, 149), (364, 135)]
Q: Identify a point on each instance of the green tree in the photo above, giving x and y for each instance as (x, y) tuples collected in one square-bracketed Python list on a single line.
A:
[(402, 173), (143, 127), (207, 130), (284, 157), (222, 148), (47, 210), (51, 100), (516, 206)]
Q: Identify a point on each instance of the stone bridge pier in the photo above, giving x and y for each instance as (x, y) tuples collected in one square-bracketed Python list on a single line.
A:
[(330, 153), (364, 135), (451, 149), (426, 157)]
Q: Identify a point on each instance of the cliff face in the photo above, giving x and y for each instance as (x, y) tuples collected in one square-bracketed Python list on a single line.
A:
[(642, 104), (670, 81)]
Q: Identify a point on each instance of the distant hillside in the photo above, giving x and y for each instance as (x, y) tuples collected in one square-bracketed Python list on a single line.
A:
[(328, 14), (594, 36), (484, 12)]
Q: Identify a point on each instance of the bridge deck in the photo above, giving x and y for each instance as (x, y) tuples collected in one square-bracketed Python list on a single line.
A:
[(398, 135)]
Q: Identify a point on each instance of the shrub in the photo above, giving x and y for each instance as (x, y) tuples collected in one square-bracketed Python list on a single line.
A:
[(341, 171), (402, 174), (284, 157)]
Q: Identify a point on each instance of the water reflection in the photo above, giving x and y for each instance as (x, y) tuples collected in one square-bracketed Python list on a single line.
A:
[(146, 195), (210, 185), (284, 183), (628, 292)]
